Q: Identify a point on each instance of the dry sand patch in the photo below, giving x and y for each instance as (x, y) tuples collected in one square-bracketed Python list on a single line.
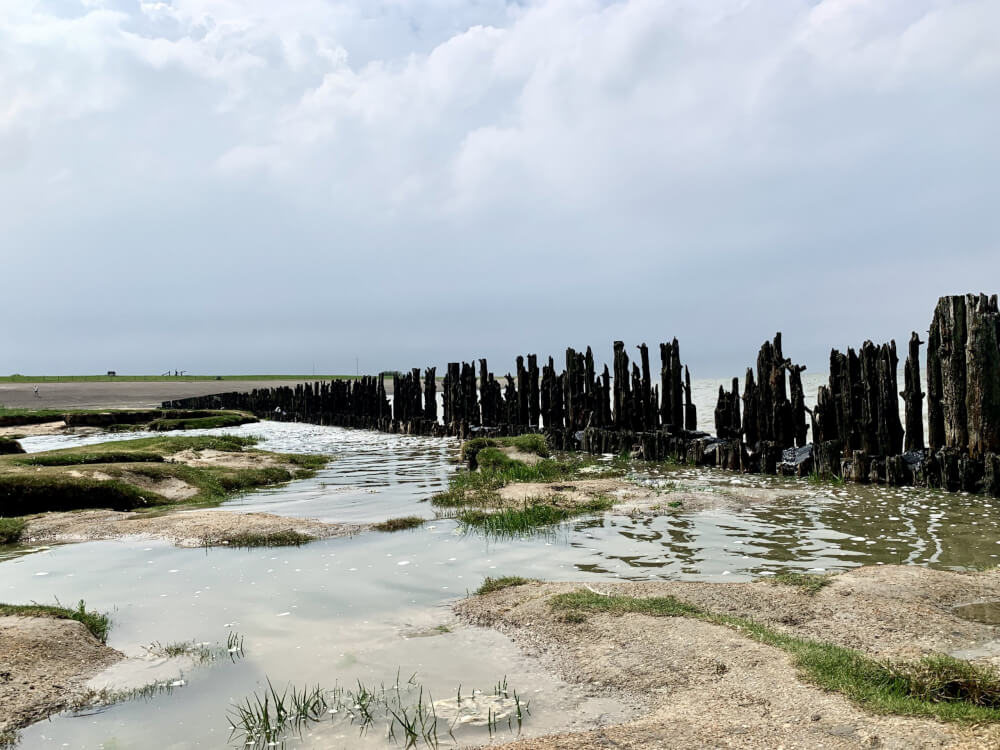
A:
[(188, 528), (705, 685)]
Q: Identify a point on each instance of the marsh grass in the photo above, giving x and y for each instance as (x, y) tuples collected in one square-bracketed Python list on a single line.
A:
[(938, 686), (532, 515), (11, 530), (199, 652), (490, 584), (97, 623), (808, 582), (532, 443), (479, 488), (53, 482), (406, 711), (399, 524)]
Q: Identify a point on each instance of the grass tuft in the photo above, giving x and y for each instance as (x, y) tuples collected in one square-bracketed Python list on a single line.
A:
[(398, 524), (97, 623), (530, 516), (491, 584), (250, 539)]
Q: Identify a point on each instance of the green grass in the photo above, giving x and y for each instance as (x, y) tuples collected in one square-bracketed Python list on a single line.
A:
[(96, 622), (229, 419), (490, 584), (39, 482), (398, 524), (532, 515), (11, 530), (939, 686), (808, 582)]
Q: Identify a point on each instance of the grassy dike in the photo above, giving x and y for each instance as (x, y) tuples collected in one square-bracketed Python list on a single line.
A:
[(146, 473)]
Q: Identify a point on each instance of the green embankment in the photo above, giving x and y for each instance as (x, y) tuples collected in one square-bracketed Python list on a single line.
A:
[(157, 420), (144, 473), (159, 378)]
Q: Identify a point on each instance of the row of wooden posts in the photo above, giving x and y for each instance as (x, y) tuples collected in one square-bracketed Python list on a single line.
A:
[(856, 430)]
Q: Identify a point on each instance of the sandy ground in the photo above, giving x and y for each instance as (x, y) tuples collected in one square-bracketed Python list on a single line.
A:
[(186, 528), (111, 395), (43, 661), (633, 498), (48, 428), (706, 686)]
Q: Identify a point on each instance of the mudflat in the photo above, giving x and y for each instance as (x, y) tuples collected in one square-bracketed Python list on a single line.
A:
[(706, 685)]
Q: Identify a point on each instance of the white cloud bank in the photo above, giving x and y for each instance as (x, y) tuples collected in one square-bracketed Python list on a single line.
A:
[(363, 175)]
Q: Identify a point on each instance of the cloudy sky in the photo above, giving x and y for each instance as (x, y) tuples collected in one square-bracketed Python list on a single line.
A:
[(260, 186)]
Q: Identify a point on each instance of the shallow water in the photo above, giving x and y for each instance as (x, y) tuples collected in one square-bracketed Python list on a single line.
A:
[(364, 607)]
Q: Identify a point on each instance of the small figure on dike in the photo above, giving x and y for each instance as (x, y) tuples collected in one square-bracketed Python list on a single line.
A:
[(36, 392)]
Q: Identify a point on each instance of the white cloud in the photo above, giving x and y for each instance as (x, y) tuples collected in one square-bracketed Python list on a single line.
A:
[(668, 130)]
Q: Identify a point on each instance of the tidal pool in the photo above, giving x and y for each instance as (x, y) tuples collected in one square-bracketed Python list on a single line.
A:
[(376, 605)]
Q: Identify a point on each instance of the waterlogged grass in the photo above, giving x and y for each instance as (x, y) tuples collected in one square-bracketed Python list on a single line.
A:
[(532, 515), (96, 622), (399, 524), (808, 582), (200, 652), (129, 475), (11, 530), (407, 712), (249, 540), (500, 583), (939, 687)]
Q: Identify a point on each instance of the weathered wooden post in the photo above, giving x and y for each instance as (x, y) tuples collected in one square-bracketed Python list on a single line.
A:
[(913, 397)]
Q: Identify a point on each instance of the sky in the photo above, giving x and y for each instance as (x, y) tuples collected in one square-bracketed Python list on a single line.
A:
[(250, 186)]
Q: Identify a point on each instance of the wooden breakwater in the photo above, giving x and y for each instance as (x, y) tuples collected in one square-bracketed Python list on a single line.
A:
[(855, 425)]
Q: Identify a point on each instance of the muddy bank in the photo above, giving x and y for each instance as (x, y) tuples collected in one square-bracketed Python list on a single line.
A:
[(54, 427), (43, 663), (190, 528), (706, 685), (639, 498)]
